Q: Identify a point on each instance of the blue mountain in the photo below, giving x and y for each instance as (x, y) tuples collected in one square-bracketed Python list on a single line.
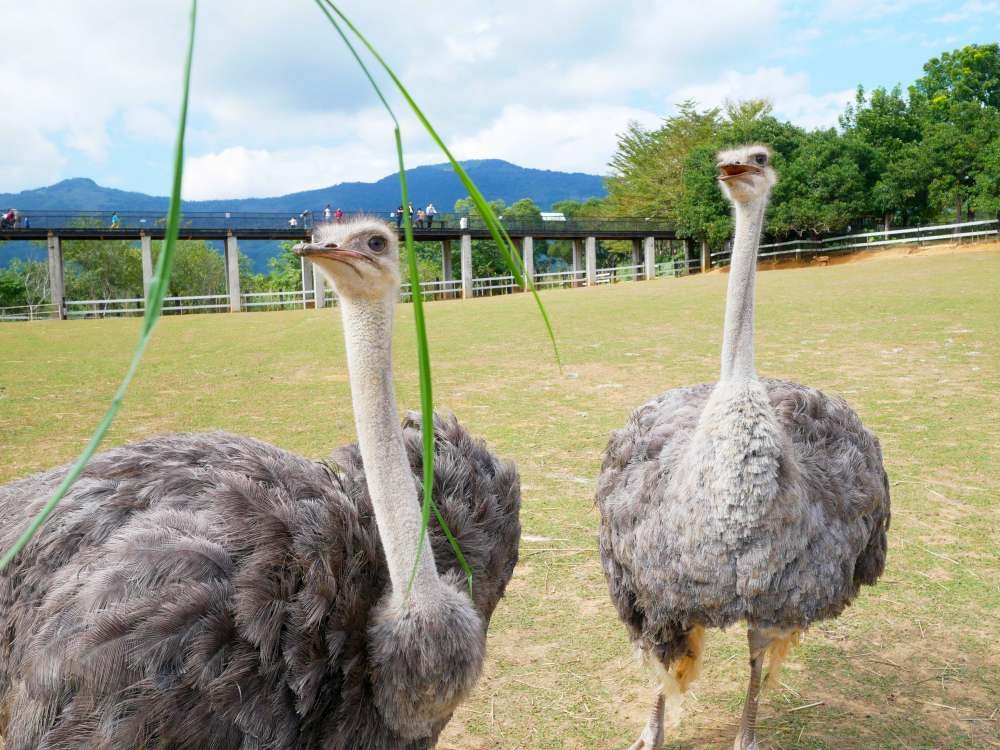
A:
[(435, 183)]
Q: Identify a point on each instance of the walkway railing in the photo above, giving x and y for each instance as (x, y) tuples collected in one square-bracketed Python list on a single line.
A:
[(966, 230), (297, 222)]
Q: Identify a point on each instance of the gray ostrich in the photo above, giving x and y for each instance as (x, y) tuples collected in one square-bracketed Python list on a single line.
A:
[(747, 499), (213, 591)]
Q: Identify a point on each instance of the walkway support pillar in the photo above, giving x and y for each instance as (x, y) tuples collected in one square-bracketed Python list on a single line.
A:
[(706, 257), (577, 260), (649, 251), (466, 253), (233, 272), (590, 244), (636, 258), (528, 258), (307, 281), (146, 250), (319, 287), (446, 272), (57, 289)]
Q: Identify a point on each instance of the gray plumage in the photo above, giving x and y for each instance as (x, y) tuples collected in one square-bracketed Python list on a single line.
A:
[(744, 500), (673, 558), (213, 591)]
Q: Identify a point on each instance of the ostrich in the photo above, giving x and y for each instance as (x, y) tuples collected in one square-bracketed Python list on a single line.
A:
[(213, 591), (747, 499)]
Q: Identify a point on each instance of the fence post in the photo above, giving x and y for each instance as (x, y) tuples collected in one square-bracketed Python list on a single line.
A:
[(57, 287), (233, 272), (649, 249), (466, 253), (591, 248), (528, 258), (146, 250)]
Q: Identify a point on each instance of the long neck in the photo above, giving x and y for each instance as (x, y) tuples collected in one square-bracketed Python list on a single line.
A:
[(737, 338), (368, 335)]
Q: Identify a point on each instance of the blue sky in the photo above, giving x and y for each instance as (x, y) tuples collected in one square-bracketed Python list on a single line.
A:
[(278, 106)]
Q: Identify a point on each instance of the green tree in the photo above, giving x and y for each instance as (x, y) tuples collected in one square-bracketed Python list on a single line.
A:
[(648, 168), (970, 75)]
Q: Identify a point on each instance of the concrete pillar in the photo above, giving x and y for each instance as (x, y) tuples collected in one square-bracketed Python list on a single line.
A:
[(57, 288), (466, 248), (319, 287), (577, 259), (446, 272), (307, 281), (706, 257), (636, 257), (649, 250), (528, 258), (233, 272), (146, 249), (688, 254), (591, 249)]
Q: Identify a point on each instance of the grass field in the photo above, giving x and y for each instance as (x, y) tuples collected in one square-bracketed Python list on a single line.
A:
[(911, 342)]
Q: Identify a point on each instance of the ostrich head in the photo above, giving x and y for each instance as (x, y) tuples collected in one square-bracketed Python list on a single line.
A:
[(359, 257), (746, 174)]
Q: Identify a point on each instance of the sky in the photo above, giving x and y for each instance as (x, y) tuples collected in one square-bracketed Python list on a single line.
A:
[(278, 106)]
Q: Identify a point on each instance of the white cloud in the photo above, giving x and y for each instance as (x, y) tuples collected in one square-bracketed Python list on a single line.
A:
[(789, 93), (969, 10), (278, 104), (580, 139)]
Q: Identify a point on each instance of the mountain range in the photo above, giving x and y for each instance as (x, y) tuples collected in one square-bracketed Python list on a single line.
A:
[(435, 183)]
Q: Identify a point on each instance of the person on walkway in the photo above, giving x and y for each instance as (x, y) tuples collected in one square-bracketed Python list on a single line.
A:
[(339, 215), (327, 213), (116, 223), (431, 213), (293, 222), (399, 216), (421, 216)]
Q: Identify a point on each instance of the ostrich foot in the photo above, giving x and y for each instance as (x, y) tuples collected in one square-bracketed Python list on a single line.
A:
[(738, 745), (650, 739), (652, 736)]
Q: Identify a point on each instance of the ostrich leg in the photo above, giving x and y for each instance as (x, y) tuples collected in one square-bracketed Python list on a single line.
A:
[(759, 641), (652, 736)]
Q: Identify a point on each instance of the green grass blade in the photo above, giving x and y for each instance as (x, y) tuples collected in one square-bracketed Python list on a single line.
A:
[(423, 350), (507, 248), (154, 305)]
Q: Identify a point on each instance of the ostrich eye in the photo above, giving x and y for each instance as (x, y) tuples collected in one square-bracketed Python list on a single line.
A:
[(760, 159), (376, 244)]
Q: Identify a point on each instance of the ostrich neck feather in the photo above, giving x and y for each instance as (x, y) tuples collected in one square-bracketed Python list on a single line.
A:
[(368, 337), (737, 338)]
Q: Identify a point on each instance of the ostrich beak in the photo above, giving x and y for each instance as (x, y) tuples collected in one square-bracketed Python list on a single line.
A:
[(329, 250), (728, 171)]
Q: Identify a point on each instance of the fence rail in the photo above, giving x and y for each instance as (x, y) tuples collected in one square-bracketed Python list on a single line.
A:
[(966, 230), (492, 285)]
